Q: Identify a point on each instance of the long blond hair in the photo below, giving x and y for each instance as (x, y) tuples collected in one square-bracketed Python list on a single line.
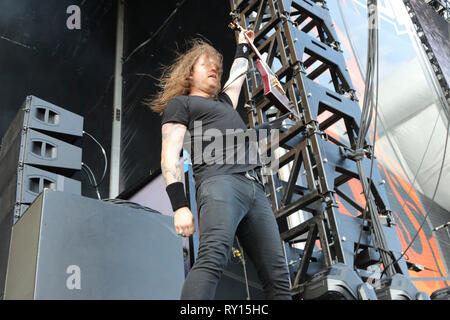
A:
[(174, 80)]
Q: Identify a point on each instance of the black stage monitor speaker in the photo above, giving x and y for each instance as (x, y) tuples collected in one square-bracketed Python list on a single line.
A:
[(43, 116), (23, 146), (67, 246), (28, 184), (36, 153)]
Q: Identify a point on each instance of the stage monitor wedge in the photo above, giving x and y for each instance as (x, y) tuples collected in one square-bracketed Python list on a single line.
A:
[(72, 247), (37, 152)]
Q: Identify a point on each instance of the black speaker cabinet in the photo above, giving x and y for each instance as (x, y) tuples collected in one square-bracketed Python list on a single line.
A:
[(67, 246), (43, 116), (28, 147), (36, 153)]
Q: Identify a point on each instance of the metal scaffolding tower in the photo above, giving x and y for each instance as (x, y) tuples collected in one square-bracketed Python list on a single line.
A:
[(331, 254)]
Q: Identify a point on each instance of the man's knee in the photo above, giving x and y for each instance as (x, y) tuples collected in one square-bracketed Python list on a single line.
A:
[(213, 258)]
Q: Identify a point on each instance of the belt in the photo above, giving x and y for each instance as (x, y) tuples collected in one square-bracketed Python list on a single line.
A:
[(252, 175)]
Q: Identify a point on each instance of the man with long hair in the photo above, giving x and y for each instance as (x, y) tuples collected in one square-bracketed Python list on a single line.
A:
[(230, 198)]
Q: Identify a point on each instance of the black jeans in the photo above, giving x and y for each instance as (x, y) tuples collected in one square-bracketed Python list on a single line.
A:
[(230, 205)]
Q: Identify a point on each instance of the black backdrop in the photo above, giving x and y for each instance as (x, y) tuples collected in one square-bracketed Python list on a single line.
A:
[(74, 69), (39, 55), (141, 134)]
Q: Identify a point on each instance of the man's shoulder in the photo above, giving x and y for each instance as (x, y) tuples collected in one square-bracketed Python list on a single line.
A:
[(176, 103), (176, 111), (178, 99), (197, 101)]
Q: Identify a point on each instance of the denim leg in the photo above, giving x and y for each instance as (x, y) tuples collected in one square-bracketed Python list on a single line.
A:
[(223, 201), (260, 238)]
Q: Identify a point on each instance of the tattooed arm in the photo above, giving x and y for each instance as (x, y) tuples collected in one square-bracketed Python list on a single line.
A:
[(240, 65), (171, 168), (172, 143)]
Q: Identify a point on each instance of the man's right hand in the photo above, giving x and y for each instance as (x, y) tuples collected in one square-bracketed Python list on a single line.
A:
[(250, 34), (184, 221)]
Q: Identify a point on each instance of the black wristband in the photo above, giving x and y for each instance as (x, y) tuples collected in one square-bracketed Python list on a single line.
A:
[(176, 195), (242, 51)]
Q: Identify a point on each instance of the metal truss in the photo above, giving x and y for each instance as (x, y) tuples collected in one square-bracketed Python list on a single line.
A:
[(436, 68), (442, 7), (302, 48)]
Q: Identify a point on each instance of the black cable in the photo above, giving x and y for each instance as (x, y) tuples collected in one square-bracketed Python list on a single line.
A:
[(93, 182), (351, 42), (86, 172), (363, 124), (89, 171), (432, 200), (367, 113), (131, 204), (421, 162), (374, 142), (245, 269), (360, 71), (163, 25), (105, 168)]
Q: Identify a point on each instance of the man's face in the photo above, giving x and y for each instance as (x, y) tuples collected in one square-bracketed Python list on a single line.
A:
[(205, 77)]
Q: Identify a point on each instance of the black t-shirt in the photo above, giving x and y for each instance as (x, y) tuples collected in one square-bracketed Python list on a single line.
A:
[(211, 124)]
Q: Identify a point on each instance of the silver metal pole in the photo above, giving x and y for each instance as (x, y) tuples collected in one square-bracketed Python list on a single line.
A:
[(114, 173)]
